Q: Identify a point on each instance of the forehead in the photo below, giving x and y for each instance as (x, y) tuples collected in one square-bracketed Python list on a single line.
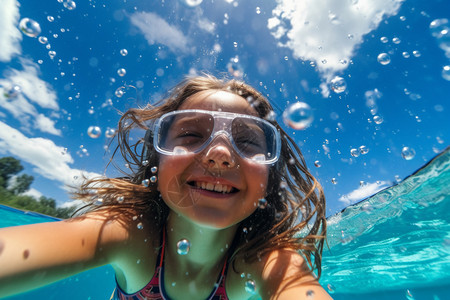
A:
[(219, 101)]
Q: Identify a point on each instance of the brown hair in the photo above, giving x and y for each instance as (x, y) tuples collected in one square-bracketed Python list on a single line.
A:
[(295, 213)]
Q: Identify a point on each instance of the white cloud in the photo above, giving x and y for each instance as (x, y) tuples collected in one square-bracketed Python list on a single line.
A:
[(207, 25), (363, 192), (327, 31), (48, 159), (157, 30), (33, 193), (10, 36), (33, 90)]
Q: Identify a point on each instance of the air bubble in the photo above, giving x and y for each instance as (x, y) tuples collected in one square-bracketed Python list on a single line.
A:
[(50, 18), (153, 179), (145, 163), (123, 52), (258, 10), (121, 72), (355, 152), (446, 72), (145, 182), (235, 68), (109, 133), (140, 226), (250, 286), (317, 164), (409, 295), (331, 288), (384, 39), (417, 53), (262, 203), (406, 55), (43, 40), (396, 40), (438, 27), (334, 180), (384, 59), (153, 169), (298, 116), (378, 120), (30, 27), (183, 247), (120, 199), (69, 4), (338, 84), (119, 92), (408, 153), (94, 131), (52, 54), (12, 92), (364, 150)]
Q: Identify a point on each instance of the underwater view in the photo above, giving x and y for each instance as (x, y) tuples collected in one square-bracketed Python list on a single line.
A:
[(362, 86)]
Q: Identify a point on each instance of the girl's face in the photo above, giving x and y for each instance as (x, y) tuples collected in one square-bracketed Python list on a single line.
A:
[(216, 187)]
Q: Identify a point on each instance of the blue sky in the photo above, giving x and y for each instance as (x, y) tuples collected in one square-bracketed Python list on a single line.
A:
[(290, 50)]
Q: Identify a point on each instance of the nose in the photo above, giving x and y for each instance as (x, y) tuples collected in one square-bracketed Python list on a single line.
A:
[(219, 155)]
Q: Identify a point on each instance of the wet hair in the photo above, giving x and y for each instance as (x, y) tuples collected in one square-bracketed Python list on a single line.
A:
[(295, 213)]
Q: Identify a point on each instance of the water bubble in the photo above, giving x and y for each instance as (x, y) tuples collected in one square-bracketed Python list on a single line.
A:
[(12, 92), (438, 27), (119, 92), (94, 131), (384, 58), (153, 179), (145, 182), (183, 246), (408, 153), (338, 85), (417, 53), (30, 27), (396, 40), (384, 39), (52, 54), (140, 226), (409, 295), (334, 180), (331, 288), (262, 203), (43, 40), (406, 55), (355, 152), (109, 133), (154, 169), (298, 116), (121, 72), (378, 120), (317, 164), (235, 68), (123, 52), (258, 10), (250, 286), (446, 72), (69, 4), (364, 150), (192, 3), (50, 18)]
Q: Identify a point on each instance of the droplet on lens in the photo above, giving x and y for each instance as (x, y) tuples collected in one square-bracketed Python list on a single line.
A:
[(250, 286), (30, 27), (121, 72), (338, 84), (183, 247), (262, 203), (384, 58), (408, 153), (94, 131), (298, 116)]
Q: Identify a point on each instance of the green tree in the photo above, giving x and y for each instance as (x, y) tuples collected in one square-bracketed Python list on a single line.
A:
[(21, 184), (9, 166)]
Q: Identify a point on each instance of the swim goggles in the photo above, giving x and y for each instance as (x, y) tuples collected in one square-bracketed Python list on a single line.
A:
[(191, 131)]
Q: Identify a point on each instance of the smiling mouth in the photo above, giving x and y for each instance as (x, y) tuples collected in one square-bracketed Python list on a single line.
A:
[(211, 187)]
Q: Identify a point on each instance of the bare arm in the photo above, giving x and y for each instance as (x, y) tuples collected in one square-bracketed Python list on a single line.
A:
[(285, 276), (35, 255)]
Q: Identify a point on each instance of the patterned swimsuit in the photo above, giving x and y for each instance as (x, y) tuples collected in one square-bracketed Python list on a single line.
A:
[(155, 288)]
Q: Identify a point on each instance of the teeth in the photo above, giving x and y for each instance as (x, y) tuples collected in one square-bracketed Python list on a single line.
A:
[(220, 188)]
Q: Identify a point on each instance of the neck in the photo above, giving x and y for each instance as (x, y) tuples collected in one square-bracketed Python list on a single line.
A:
[(208, 246)]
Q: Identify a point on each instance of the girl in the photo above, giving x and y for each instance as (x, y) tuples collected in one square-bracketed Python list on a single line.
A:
[(218, 204)]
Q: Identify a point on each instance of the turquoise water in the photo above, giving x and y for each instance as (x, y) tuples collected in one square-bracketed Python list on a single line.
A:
[(393, 245)]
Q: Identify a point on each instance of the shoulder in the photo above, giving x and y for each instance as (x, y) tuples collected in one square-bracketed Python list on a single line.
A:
[(282, 274)]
